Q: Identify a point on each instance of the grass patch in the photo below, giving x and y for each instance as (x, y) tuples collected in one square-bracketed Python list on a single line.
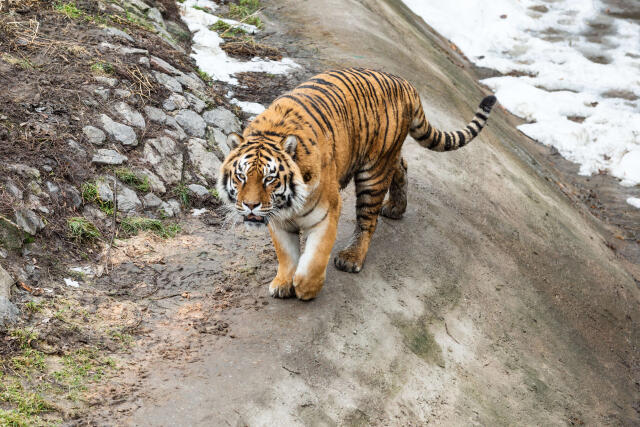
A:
[(69, 9), (23, 63), (34, 307), (90, 194), (204, 76), (244, 11), (227, 30), (80, 367), (139, 182), (214, 193), (182, 191), (135, 224), (82, 229), (102, 68), (27, 403)]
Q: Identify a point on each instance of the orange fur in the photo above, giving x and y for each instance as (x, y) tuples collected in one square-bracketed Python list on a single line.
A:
[(292, 160)]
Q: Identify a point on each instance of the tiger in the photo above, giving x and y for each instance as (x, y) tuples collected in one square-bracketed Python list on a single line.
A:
[(287, 168)]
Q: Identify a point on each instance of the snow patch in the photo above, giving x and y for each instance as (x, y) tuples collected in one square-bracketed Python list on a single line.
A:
[(72, 283), (209, 55), (581, 94), (249, 107), (198, 212), (634, 201)]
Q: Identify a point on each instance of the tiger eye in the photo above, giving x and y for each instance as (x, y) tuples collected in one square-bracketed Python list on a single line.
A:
[(306, 177)]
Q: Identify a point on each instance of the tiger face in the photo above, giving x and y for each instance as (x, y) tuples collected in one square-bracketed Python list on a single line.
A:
[(261, 180)]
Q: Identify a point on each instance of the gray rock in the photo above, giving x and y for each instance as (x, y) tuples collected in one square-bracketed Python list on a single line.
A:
[(191, 122), (139, 4), (104, 189), (94, 135), (108, 157), (198, 190), (73, 194), (28, 220), (127, 199), (3, 253), (122, 93), (24, 171), (204, 161), (224, 119), (11, 236), (74, 146), (155, 15), (179, 132), (35, 203), (103, 93), (107, 81), (8, 311), (218, 139), (130, 116), (34, 188), (165, 158), (155, 114), (156, 183), (167, 81), (93, 214), (175, 102), (164, 66), (53, 189), (179, 135), (144, 61), (170, 208), (13, 189), (192, 81), (151, 201), (115, 32), (196, 103), (122, 133)]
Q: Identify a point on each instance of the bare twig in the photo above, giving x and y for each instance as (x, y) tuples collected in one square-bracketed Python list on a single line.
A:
[(446, 328)]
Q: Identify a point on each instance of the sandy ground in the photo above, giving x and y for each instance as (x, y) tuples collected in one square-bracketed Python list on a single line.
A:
[(495, 301)]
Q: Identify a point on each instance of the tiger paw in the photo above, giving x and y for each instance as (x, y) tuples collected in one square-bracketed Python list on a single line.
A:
[(389, 210), (307, 287), (349, 260), (281, 288)]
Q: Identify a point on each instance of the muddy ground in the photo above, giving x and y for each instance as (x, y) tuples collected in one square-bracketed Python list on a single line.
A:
[(497, 300)]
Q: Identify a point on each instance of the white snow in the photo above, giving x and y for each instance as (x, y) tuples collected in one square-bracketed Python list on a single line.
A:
[(560, 73), (209, 55), (634, 201), (249, 107), (198, 212), (71, 282)]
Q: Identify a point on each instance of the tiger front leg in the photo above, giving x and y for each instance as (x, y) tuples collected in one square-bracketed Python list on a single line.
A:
[(312, 267), (287, 245)]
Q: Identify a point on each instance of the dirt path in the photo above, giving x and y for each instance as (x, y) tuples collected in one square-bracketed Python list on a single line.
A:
[(494, 301)]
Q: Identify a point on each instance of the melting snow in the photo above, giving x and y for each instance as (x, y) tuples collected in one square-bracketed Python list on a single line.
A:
[(72, 283), (580, 93), (206, 45), (249, 107), (634, 201)]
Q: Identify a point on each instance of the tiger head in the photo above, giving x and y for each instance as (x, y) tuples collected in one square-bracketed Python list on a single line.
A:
[(261, 180)]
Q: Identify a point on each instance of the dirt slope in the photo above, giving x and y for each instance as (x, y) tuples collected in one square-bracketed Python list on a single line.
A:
[(494, 301)]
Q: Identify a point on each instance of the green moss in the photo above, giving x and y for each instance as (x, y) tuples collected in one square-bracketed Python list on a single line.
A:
[(182, 191), (226, 30), (133, 225), (69, 9), (420, 341), (138, 181), (90, 195), (214, 193), (102, 68), (82, 229)]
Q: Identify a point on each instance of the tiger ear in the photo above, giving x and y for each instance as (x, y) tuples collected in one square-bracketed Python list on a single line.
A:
[(290, 144), (233, 140)]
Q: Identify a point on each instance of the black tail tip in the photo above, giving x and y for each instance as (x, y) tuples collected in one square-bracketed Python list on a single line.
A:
[(487, 103)]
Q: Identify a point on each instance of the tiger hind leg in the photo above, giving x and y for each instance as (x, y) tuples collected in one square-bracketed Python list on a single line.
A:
[(371, 188), (396, 205)]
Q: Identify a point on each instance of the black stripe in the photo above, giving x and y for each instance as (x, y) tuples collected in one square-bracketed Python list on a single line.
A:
[(474, 132), (482, 116), (477, 123), (447, 141), (297, 101)]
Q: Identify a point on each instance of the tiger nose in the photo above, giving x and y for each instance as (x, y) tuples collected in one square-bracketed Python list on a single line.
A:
[(251, 205)]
